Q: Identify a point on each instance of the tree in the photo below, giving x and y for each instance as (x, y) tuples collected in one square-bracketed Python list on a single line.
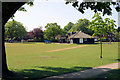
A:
[(101, 27), (82, 25), (15, 30), (52, 30), (8, 10), (38, 33), (68, 27)]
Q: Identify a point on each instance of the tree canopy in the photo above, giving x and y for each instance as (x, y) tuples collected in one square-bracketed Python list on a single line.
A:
[(96, 5), (81, 25), (68, 27), (15, 30), (52, 30), (100, 26)]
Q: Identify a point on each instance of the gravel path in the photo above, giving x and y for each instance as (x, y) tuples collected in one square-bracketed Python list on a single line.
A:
[(89, 72)]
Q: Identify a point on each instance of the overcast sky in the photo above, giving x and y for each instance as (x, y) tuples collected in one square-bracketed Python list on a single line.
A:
[(52, 11)]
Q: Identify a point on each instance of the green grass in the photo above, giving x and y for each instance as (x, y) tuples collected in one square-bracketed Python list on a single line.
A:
[(33, 61)]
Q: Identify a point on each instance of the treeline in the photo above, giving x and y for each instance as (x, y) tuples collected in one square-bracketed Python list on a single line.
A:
[(16, 31)]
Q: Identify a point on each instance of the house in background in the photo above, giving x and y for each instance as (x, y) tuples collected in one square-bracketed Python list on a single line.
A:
[(109, 37), (81, 38), (63, 39)]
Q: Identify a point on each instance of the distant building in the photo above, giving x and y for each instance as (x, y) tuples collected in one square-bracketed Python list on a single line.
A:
[(109, 37), (62, 39), (81, 38)]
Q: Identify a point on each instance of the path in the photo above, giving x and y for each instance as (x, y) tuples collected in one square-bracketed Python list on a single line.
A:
[(89, 72), (66, 48)]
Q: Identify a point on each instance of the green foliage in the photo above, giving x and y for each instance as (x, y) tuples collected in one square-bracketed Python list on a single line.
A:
[(100, 26), (81, 25), (15, 30), (30, 3), (22, 9), (117, 35), (68, 27), (103, 6), (52, 30)]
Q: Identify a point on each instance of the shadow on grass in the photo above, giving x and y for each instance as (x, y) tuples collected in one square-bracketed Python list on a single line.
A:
[(28, 74)]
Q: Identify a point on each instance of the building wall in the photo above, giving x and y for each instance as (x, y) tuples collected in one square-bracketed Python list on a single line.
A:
[(76, 40), (88, 40), (62, 41), (85, 40)]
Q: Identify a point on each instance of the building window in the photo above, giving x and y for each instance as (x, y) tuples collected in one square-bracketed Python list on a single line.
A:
[(81, 40)]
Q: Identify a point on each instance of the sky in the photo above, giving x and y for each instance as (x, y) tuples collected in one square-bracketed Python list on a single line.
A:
[(53, 11)]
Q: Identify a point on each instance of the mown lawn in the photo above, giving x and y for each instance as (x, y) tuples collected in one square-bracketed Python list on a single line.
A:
[(32, 60)]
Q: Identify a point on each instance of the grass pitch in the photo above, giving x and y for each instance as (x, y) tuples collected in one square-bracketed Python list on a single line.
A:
[(33, 60)]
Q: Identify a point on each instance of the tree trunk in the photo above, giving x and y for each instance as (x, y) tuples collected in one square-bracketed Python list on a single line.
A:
[(8, 9), (101, 47), (4, 62)]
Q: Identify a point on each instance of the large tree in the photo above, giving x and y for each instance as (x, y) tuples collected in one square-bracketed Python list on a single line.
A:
[(68, 27), (81, 25), (9, 8), (15, 30), (101, 27), (52, 30)]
